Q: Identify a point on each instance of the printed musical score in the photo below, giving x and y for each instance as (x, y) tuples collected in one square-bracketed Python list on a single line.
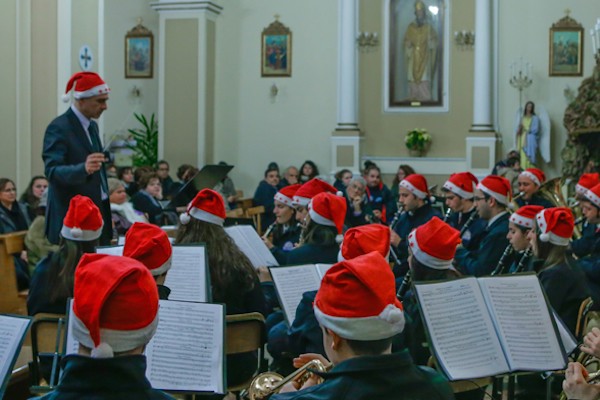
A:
[(187, 277), (291, 283), (248, 241), (12, 332)]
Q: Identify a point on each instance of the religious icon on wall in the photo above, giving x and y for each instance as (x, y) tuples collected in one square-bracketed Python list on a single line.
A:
[(566, 44), (139, 44), (276, 50)]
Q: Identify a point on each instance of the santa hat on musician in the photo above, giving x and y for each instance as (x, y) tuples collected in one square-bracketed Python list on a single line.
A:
[(86, 84), (586, 182), (364, 239), (329, 210), (115, 304), (83, 221), (207, 206), (497, 187), (416, 184), (150, 245), (593, 195), (537, 176), (556, 225), (462, 184), (357, 299), (433, 244), (525, 216), (286, 195), (310, 189)]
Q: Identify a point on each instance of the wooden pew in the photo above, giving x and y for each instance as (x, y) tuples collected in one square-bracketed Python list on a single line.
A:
[(11, 301)]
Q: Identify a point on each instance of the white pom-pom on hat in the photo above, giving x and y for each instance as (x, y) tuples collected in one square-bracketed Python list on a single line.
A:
[(545, 237), (184, 218), (392, 314), (76, 232), (65, 97), (339, 238), (432, 199), (339, 193), (103, 350)]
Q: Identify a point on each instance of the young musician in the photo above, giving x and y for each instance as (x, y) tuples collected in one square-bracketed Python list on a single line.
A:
[(492, 196), (378, 194), (150, 245), (306, 192), (358, 211), (359, 314), (110, 362), (458, 191), (590, 206), (519, 225), (589, 241), (575, 384), (417, 210), (530, 181), (284, 233)]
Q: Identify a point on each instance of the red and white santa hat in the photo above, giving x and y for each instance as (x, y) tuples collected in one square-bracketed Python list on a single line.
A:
[(593, 195), (586, 182), (115, 304), (286, 195), (433, 244), (416, 184), (329, 210), (150, 245), (525, 216), (87, 84), (357, 299), (207, 206), (556, 225), (496, 186), (83, 221), (536, 175), (310, 189), (462, 184), (364, 239)]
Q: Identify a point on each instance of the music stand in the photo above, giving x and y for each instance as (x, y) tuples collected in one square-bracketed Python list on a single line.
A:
[(207, 177)]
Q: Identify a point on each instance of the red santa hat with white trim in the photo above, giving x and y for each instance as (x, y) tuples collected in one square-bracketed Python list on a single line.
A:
[(357, 299), (586, 182), (83, 221), (497, 187), (556, 225), (207, 206), (417, 185), (310, 189), (593, 195), (462, 184), (537, 176), (525, 216), (115, 304), (364, 239), (86, 84), (286, 194), (434, 244), (329, 210), (150, 245)]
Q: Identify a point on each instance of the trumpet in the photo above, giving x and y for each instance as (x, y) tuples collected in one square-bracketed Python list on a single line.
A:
[(523, 259), (404, 286), (268, 383), (269, 230), (588, 361), (468, 223), (502, 261)]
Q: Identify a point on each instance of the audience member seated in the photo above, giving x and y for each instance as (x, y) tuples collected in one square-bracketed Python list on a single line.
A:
[(111, 171), (504, 162), (511, 172), (290, 176), (162, 170), (125, 175), (308, 170), (180, 195), (265, 194), (358, 210), (342, 179), (404, 170), (37, 244), (226, 188), (147, 199), (379, 196), (122, 212), (33, 194)]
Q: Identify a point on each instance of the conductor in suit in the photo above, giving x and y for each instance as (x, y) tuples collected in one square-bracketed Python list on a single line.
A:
[(73, 157)]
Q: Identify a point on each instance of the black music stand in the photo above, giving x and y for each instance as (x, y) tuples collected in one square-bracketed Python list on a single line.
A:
[(207, 177)]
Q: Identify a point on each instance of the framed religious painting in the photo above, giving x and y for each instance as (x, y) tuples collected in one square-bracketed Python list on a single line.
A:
[(276, 50), (416, 55), (139, 52), (566, 48)]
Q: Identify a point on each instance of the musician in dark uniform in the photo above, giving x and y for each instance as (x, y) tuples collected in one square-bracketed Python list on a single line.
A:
[(519, 225), (590, 206), (284, 233), (458, 191), (529, 182), (492, 195), (358, 340), (417, 210), (590, 238)]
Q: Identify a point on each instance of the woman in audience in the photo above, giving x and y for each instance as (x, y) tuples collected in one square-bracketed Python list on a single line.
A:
[(233, 278), (342, 179), (122, 212), (125, 175), (404, 170), (32, 195), (308, 170), (146, 200)]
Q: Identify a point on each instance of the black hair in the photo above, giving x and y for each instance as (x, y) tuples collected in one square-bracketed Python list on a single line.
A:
[(369, 347)]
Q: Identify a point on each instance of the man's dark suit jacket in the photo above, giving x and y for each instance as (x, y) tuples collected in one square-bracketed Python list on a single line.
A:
[(66, 147)]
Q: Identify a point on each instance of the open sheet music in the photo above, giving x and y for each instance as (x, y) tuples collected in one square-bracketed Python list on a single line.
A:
[(12, 333), (187, 352), (492, 325), (248, 241), (292, 282)]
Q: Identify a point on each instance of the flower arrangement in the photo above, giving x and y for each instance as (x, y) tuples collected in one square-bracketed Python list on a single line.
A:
[(417, 140)]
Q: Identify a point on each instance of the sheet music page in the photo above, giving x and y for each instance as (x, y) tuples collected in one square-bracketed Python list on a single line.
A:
[(460, 329), (12, 331), (186, 353), (523, 322), (291, 283), (72, 346), (566, 337), (111, 250), (322, 269), (187, 277), (121, 240), (248, 241)]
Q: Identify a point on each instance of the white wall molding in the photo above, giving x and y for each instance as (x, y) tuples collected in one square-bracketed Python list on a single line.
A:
[(425, 165), (64, 28)]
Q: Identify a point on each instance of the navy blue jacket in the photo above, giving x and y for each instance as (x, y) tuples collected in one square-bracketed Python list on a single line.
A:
[(288, 239), (536, 200), (380, 198), (589, 243), (309, 253), (474, 232), (264, 196), (38, 300)]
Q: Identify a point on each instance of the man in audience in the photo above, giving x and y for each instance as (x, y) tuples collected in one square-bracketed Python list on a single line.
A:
[(378, 195), (290, 176), (504, 162), (162, 170)]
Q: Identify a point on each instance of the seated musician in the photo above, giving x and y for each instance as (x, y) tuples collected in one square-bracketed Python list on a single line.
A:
[(110, 362), (458, 191), (150, 245), (590, 206), (358, 312), (492, 195), (575, 384), (284, 233), (417, 210), (379, 195), (530, 181), (306, 192), (588, 243), (519, 225), (358, 210)]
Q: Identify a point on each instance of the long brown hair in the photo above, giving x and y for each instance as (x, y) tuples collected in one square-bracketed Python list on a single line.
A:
[(230, 269), (61, 274)]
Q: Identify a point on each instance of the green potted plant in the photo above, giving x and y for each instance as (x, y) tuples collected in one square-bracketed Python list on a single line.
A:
[(417, 141), (145, 141)]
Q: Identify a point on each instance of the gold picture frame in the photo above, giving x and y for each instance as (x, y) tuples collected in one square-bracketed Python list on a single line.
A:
[(276, 50), (566, 48), (139, 52)]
